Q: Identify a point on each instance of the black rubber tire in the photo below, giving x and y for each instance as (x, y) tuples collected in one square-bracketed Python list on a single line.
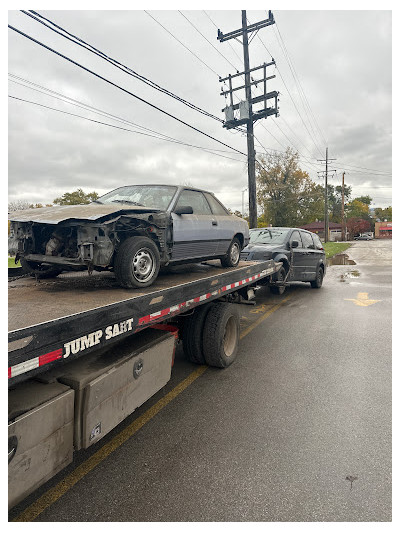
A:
[(221, 335), (37, 270), (132, 251), (232, 258), (279, 276), (317, 283), (192, 334)]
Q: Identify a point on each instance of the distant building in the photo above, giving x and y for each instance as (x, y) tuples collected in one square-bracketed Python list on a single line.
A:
[(383, 230), (335, 230)]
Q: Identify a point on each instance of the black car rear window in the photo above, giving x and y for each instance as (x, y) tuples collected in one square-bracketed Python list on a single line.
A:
[(317, 241)]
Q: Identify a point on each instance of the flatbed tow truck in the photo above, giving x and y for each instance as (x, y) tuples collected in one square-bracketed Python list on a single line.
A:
[(83, 353)]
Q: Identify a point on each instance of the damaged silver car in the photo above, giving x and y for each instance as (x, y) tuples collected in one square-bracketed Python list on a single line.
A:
[(132, 230)]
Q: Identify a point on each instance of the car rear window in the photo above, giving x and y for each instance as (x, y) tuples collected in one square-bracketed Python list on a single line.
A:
[(216, 207), (317, 242), (307, 240)]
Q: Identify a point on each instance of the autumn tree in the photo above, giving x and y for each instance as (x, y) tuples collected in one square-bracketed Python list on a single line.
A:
[(286, 193), (357, 225), (383, 213), (76, 198)]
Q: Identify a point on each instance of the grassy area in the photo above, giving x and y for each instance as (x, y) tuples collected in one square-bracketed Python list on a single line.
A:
[(332, 248), (11, 263)]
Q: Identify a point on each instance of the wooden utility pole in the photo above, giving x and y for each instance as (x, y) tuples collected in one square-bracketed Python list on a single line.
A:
[(326, 217), (251, 155), (343, 225), (248, 117)]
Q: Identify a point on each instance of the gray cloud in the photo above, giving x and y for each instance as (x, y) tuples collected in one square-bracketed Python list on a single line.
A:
[(343, 60)]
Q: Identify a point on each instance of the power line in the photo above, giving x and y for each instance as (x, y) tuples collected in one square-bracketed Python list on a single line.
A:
[(290, 95), (80, 42), (122, 89), (209, 42), (297, 81), (180, 42), (87, 107), (124, 129), (229, 44)]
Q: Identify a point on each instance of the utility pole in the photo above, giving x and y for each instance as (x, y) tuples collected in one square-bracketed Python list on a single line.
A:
[(326, 217), (343, 226), (247, 116)]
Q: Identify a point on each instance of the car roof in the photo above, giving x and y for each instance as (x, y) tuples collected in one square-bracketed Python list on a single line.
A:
[(281, 228), (180, 187)]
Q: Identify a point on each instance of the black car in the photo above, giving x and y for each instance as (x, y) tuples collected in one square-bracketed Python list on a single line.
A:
[(300, 252)]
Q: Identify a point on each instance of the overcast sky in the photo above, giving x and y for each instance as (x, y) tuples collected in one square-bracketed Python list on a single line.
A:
[(342, 59)]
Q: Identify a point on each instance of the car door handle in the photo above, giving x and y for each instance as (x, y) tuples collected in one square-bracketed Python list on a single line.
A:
[(214, 223)]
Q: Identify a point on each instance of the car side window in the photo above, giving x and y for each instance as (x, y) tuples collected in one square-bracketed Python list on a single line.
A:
[(296, 237), (216, 207), (196, 200), (317, 242), (307, 240)]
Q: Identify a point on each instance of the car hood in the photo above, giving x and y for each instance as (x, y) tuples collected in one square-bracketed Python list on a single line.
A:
[(54, 215)]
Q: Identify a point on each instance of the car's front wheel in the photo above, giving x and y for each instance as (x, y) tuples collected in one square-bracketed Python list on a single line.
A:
[(279, 277), (231, 259), (137, 262)]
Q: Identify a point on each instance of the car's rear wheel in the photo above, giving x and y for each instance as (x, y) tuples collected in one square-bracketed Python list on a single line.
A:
[(231, 259), (137, 262), (39, 270), (279, 277), (317, 283)]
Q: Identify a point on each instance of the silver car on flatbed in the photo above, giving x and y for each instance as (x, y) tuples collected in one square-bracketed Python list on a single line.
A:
[(132, 230)]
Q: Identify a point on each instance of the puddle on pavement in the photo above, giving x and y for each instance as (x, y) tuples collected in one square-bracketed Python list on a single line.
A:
[(349, 275), (341, 259)]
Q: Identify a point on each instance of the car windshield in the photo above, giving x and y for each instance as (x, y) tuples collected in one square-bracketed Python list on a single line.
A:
[(268, 236), (154, 196)]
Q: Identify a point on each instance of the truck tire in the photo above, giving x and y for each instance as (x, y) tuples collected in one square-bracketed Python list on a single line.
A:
[(279, 276), (137, 263), (192, 334), (317, 283), (221, 335), (231, 259), (39, 270)]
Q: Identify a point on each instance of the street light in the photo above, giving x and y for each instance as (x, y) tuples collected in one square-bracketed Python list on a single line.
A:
[(243, 191)]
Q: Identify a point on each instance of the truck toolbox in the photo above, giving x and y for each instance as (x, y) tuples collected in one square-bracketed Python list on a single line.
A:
[(40, 435), (110, 385)]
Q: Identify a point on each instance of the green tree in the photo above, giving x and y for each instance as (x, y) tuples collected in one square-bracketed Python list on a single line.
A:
[(286, 193), (335, 201), (384, 213), (76, 198)]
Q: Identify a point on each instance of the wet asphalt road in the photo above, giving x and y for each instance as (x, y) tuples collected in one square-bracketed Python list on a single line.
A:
[(306, 405)]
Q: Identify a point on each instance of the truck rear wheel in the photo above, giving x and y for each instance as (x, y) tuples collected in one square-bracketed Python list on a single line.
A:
[(221, 335), (192, 334), (137, 262)]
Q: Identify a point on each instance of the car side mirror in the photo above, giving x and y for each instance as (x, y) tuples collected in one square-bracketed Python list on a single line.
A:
[(184, 210), (294, 244)]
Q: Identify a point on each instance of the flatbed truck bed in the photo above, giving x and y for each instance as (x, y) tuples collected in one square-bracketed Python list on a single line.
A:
[(52, 321)]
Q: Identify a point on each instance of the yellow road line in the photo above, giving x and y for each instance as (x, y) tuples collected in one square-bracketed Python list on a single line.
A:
[(264, 316), (55, 493)]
